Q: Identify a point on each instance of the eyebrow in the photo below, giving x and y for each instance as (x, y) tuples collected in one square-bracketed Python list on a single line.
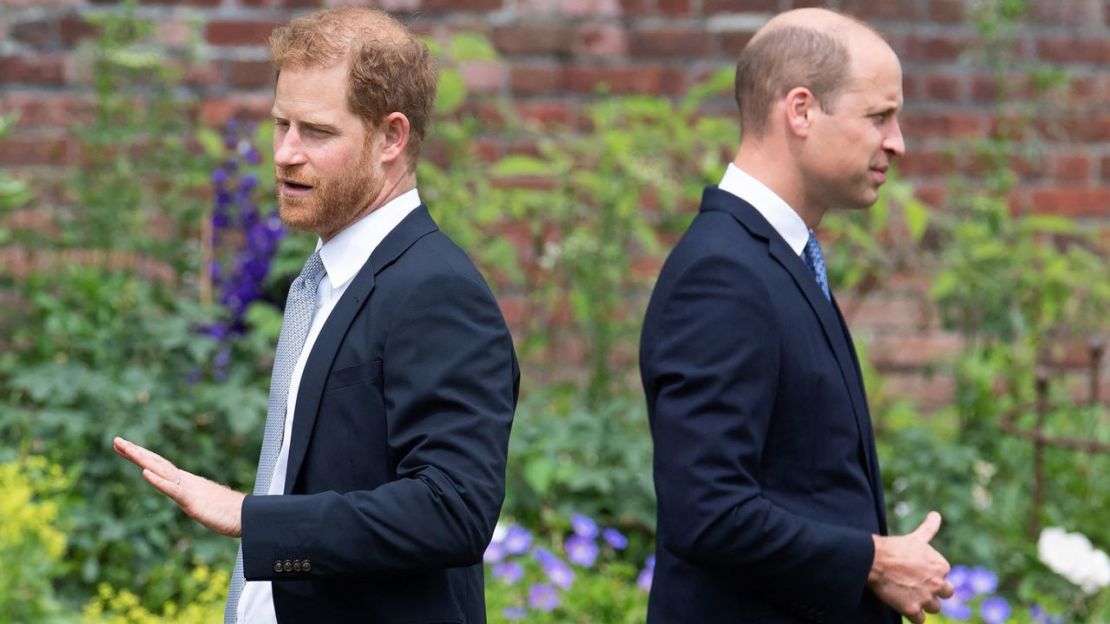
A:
[(313, 125)]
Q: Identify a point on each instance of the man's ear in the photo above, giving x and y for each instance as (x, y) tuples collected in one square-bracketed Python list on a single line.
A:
[(800, 108), (393, 134)]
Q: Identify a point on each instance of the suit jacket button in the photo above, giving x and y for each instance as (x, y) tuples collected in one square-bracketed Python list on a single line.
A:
[(277, 566), (296, 565), (288, 565), (306, 566)]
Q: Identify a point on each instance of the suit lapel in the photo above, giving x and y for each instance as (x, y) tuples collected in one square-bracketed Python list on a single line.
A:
[(417, 224), (835, 333)]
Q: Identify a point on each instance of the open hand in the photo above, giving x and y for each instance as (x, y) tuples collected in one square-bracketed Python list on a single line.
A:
[(908, 574), (217, 507)]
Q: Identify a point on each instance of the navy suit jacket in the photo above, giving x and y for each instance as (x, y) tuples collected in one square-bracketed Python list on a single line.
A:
[(765, 467), (397, 455)]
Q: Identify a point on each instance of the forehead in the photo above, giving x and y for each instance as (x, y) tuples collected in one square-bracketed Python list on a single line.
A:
[(313, 94), (875, 76)]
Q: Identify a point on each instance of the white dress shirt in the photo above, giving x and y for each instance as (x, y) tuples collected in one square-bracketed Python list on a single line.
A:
[(343, 256), (778, 213)]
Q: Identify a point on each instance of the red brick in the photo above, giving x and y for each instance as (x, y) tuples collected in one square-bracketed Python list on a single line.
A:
[(943, 88), (805, 4), (1072, 167), (931, 194), (604, 40), (1084, 88), (45, 69), (984, 88), (733, 42), (1084, 128), (50, 110), (484, 76), (512, 308), (216, 112), (1071, 13), (73, 30), (548, 112), (925, 163), (535, 79), (1106, 168), (903, 313), (223, 33), (947, 11), (948, 125), (203, 74), (710, 7), (634, 8), (643, 80), (1072, 201), (38, 34), (674, 8), (462, 5), (37, 150), (532, 40), (303, 4), (250, 74), (932, 48), (909, 351), (1068, 49), (198, 3), (883, 9), (671, 42), (931, 391)]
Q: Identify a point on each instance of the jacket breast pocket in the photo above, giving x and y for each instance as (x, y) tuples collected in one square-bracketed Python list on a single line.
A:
[(358, 374)]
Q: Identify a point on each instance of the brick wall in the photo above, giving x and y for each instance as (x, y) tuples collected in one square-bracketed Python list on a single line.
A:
[(556, 53)]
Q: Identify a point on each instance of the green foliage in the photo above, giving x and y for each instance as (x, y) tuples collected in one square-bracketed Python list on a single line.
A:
[(32, 539), (203, 594), (112, 345), (569, 456), (604, 595)]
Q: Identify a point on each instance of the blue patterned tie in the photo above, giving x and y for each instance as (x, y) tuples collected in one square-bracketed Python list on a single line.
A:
[(815, 260), (300, 307)]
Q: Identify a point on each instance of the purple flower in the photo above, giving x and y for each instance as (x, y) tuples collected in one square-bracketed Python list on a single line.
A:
[(615, 539), (581, 551), (219, 176), (558, 572), (955, 608), (1040, 616), (583, 526), (982, 581), (508, 572), (253, 157), (543, 597), (514, 613), (517, 540), (960, 577), (494, 553), (995, 610), (644, 580)]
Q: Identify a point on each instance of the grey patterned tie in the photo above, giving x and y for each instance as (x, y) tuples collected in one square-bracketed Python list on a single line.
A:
[(300, 307)]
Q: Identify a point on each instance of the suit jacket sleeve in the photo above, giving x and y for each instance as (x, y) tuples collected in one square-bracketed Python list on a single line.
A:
[(450, 383), (713, 370)]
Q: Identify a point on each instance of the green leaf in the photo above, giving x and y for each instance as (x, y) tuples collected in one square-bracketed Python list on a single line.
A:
[(472, 47), (519, 165), (211, 142), (916, 214), (451, 92)]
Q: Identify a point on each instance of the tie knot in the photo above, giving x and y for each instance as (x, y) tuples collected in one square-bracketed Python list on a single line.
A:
[(312, 271)]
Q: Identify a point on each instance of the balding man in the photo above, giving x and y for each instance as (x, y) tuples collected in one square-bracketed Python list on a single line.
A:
[(383, 461), (770, 499)]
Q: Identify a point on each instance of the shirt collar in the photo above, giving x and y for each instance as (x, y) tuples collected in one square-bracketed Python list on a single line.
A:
[(349, 250), (773, 208)]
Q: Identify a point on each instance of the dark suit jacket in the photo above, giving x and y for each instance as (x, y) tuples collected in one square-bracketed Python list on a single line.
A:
[(765, 466), (397, 456)]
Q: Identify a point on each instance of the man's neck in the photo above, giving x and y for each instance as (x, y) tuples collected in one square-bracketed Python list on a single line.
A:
[(766, 165)]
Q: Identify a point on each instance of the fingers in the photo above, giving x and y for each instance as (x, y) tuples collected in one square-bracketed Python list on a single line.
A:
[(931, 605), (946, 590), (157, 470), (928, 529), (916, 618)]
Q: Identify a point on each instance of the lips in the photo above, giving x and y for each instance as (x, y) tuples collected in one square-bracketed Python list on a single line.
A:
[(294, 187), (878, 174)]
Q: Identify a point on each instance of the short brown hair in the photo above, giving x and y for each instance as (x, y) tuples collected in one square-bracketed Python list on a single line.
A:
[(389, 69), (775, 62)]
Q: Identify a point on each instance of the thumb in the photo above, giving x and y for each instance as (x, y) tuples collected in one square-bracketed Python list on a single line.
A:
[(928, 529)]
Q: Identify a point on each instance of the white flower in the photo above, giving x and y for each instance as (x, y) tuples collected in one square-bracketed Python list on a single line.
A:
[(1072, 556)]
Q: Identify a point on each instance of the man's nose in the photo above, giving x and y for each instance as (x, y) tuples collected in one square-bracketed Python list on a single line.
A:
[(288, 150), (893, 142)]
